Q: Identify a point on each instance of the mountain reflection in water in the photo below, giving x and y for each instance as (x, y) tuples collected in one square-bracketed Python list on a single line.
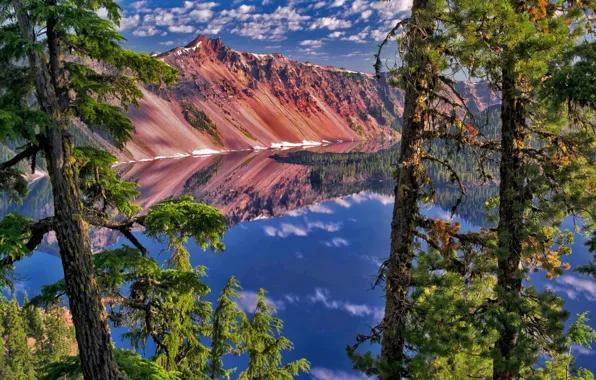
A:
[(309, 228)]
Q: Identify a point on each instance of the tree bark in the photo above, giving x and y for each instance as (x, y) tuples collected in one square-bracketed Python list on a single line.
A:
[(511, 209), (406, 210), (88, 313)]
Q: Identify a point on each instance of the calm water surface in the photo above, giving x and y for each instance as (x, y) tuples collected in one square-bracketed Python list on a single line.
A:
[(314, 246)]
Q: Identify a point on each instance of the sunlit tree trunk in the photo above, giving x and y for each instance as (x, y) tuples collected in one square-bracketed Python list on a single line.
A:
[(88, 313), (405, 211)]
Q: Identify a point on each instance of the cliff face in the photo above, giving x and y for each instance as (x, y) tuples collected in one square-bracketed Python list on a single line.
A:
[(229, 100)]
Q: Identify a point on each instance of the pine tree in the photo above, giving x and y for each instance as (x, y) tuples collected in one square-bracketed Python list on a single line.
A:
[(225, 336), (420, 78), (33, 321), (264, 344), (18, 360), (57, 70), (57, 342), (545, 161), (430, 118)]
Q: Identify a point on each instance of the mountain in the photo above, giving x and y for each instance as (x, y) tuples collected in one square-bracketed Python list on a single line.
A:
[(230, 100)]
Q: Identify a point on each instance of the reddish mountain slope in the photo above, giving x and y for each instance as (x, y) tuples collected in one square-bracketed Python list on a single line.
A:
[(229, 100)]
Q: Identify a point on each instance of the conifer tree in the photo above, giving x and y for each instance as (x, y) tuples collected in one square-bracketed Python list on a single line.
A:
[(18, 362), (33, 321), (428, 116), (47, 49), (226, 335), (57, 342), (264, 344), (546, 160)]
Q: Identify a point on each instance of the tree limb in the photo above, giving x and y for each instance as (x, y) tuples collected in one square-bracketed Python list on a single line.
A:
[(37, 230), (30, 151), (98, 219)]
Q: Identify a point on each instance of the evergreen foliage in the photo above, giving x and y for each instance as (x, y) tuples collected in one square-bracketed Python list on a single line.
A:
[(464, 307), (226, 335), (264, 344), (33, 321), (18, 359), (79, 73)]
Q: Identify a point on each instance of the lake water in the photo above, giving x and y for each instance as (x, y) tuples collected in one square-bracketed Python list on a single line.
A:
[(312, 239)]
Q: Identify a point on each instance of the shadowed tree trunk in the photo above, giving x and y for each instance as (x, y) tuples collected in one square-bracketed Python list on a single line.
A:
[(511, 209), (405, 211), (88, 313)]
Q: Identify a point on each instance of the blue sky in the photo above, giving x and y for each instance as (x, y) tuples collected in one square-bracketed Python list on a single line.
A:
[(342, 33)]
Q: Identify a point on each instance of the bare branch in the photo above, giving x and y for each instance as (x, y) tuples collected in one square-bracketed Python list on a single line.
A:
[(30, 151), (99, 219), (391, 34)]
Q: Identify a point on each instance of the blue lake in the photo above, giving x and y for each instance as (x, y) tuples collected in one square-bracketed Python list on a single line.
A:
[(315, 248)]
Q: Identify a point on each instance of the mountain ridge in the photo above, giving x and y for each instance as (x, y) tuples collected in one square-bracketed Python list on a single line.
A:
[(230, 100)]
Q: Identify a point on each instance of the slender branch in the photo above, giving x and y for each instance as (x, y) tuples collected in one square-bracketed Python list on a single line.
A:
[(454, 176), (391, 34), (30, 151), (451, 84), (98, 219)]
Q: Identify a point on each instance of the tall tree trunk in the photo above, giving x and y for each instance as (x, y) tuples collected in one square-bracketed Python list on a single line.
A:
[(511, 210), (406, 211), (88, 313)]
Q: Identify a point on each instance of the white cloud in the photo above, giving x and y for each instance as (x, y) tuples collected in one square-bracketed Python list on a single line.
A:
[(331, 23), (188, 5), (139, 5), (298, 212), (337, 3), (343, 202), (145, 31), (320, 209), (337, 242), (336, 34), (322, 296), (329, 227), (208, 5), (248, 302), (128, 23), (578, 350), (319, 373), (270, 26), (181, 29), (574, 286), (315, 44), (103, 13), (289, 229), (387, 10), (366, 14), (160, 18), (359, 37), (384, 199), (366, 196), (167, 43), (285, 230), (378, 34), (201, 15)]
